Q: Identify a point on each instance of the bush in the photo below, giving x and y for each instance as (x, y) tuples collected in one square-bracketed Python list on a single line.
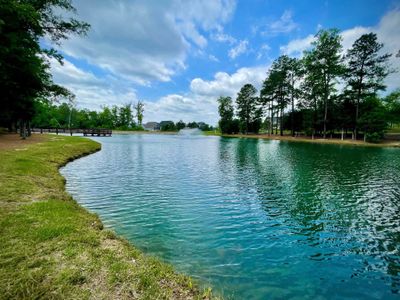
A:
[(374, 137)]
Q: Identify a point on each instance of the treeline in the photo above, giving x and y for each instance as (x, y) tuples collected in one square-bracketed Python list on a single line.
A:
[(321, 94), (171, 126), (124, 117)]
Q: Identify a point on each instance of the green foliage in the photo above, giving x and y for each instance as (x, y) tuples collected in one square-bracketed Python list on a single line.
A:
[(248, 110), (392, 104), (66, 116), (180, 125), (226, 111), (24, 66), (193, 125), (374, 137), (372, 118), (139, 108), (324, 66), (167, 126), (366, 70)]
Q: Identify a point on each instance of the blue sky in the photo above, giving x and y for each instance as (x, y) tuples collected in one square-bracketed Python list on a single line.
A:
[(179, 56)]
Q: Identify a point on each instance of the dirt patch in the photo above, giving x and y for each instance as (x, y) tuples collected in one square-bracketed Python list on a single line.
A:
[(15, 142)]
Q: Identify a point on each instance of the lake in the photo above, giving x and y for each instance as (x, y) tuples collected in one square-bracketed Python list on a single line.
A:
[(254, 219)]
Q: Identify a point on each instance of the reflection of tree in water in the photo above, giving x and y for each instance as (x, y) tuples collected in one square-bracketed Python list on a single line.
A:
[(340, 199)]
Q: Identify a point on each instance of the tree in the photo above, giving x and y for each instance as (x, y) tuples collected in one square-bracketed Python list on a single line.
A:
[(24, 66), (295, 72), (180, 125), (192, 125), (279, 87), (167, 126), (125, 117), (366, 70), (324, 67), (372, 120), (139, 107), (392, 103), (247, 109), (226, 111)]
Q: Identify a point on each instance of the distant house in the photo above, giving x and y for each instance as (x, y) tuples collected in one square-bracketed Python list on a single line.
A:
[(151, 126)]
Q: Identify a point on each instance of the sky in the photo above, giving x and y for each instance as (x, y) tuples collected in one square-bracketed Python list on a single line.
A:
[(179, 56)]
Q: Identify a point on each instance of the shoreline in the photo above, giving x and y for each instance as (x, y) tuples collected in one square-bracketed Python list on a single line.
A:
[(71, 255), (346, 142)]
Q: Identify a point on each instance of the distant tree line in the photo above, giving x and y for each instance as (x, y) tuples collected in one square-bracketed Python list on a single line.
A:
[(124, 117), (171, 126), (321, 94)]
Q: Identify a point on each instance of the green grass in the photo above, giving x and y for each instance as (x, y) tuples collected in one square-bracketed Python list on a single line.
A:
[(212, 132), (52, 248), (394, 129)]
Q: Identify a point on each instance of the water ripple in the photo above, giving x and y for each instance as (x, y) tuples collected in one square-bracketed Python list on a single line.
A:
[(256, 219)]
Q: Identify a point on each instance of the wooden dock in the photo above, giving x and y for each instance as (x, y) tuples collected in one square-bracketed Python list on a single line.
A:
[(71, 131)]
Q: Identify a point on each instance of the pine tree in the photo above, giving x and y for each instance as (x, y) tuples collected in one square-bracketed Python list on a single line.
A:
[(366, 70)]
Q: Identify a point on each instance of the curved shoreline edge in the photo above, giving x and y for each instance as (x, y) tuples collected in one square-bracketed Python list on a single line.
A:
[(55, 248)]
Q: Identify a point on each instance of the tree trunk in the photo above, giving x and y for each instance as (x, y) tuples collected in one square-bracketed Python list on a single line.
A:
[(281, 122), (29, 128), (355, 125), (270, 120), (292, 114)]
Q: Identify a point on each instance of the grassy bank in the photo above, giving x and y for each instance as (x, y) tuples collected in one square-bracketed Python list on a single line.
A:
[(52, 248), (385, 143)]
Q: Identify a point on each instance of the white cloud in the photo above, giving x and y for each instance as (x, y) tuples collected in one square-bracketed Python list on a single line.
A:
[(91, 91), (144, 41), (223, 38), (296, 47), (238, 49), (284, 24), (213, 58), (262, 52), (225, 84)]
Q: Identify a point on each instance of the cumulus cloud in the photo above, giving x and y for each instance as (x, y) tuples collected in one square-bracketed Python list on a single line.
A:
[(144, 41), (91, 91), (225, 84), (296, 47), (239, 49)]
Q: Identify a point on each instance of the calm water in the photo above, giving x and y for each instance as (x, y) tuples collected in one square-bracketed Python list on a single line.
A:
[(255, 219)]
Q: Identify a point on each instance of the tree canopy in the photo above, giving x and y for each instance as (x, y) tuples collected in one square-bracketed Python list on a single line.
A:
[(24, 63)]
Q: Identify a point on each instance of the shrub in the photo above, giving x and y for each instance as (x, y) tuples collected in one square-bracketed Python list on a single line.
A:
[(374, 137)]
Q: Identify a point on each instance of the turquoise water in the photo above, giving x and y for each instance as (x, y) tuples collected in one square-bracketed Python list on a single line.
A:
[(256, 219)]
